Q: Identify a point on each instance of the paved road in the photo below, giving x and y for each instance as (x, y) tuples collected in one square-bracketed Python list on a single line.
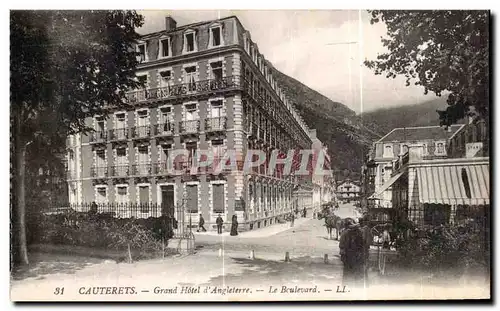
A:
[(307, 238), (213, 270)]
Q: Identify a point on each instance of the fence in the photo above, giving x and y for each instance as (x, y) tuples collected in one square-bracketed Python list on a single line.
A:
[(117, 210)]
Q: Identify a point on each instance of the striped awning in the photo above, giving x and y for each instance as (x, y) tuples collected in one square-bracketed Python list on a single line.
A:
[(389, 183), (454, 184)]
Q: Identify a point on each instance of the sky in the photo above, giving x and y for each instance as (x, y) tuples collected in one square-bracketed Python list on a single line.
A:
[(320, 48)]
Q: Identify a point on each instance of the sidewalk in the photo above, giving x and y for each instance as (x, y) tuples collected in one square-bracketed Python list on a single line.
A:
[(259, 233)]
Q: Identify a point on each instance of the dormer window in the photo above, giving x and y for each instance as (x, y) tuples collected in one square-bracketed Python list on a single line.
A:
[(440, 149), (215, 36), (190, 42), (388, 153), (165, 48), (141, 49)]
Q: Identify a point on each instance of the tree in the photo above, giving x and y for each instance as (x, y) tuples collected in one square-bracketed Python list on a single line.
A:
[(443, 51), (65, 66)]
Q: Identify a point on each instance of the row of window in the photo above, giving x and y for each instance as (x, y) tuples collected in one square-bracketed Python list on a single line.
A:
[(189, 43), (144, 153), (189, 75), (438, 150), (166, 115), (167, 195)]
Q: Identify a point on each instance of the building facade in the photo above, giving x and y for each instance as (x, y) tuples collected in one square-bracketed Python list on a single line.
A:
[(455, 189), (378, 167), (348, 191), (207, 88)]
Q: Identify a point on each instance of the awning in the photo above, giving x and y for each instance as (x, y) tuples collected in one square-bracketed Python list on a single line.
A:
[(454, 184), (386, 185)]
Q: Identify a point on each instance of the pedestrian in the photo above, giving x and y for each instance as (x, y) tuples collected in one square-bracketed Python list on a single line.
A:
[(304, 213), (292, 219), (219, 223), (234, 225), (201, 224), (351, 253), (386, 238), (93, 208), (368, 240)]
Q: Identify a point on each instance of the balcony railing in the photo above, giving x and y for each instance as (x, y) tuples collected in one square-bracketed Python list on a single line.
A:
[(143, 131), (99, 171), (183, 89), (143, 169), (261, 134), (164, 129), (118, 134), (191, 126), (98, 136), (215, 124), (120, 170)]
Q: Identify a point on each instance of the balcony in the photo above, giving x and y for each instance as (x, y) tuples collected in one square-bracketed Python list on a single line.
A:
[(98, 137), (190, 127), (143, 169), (139, 132), (99, 171), (177, 90), (118, 134), (164, 129), (120, 171), (215, 124)]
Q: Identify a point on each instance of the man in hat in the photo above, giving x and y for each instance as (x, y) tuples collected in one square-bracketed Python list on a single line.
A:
[(352, 254), (219, 221)]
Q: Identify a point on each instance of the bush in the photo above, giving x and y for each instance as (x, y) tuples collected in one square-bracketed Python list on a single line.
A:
[(101, 231), (442, 249)]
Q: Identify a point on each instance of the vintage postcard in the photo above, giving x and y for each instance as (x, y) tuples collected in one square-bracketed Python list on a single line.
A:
[(240, 155)]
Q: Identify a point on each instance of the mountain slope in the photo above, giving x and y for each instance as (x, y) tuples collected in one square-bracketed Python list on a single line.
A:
[(337, 126), (422, 114)]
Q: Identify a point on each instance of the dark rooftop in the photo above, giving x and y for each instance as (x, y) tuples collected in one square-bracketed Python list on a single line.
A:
[(420, 133)]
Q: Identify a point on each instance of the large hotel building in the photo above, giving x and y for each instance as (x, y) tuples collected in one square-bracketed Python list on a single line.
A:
[(207, 88)]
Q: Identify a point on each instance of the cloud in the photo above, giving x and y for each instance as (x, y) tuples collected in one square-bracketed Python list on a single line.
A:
[(312, 47)]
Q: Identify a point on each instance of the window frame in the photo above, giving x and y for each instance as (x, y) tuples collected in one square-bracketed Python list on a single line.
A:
[(161, 50), (384, 154), (211, 35), (185, 42), (143, 43)]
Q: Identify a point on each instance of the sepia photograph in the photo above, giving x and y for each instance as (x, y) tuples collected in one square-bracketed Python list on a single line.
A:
[(249, 155)]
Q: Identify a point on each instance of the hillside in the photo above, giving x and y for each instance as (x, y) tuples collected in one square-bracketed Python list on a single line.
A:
[(422, 114), (337, 126)]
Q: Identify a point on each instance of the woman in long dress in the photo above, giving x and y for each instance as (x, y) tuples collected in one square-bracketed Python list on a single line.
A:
[(234, 225)]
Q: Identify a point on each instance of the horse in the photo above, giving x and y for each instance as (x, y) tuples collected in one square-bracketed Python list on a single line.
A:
[(333, 221)]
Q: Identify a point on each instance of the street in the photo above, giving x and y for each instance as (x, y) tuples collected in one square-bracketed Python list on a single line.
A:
[(222, 263)]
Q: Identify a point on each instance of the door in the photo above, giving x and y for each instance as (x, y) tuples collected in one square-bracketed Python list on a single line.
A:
[(121, 162), (218, 199), (143, 160), (120, 126), (191, 148), (190, 78), (167, 200), (101, 166), (166, 120), (142, 123), (192, 198)]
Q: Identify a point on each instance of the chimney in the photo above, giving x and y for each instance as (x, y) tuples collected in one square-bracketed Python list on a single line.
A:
[(170, 23)]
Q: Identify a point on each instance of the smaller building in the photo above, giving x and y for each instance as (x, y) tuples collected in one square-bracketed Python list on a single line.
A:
[(442, 191), (378, 168), (348, 191)]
